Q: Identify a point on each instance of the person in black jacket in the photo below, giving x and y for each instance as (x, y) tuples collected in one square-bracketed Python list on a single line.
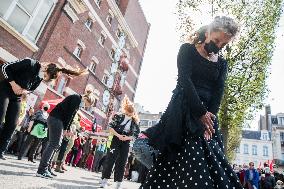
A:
[(59, 122), (125, 128), (17, 78), (187, 135)]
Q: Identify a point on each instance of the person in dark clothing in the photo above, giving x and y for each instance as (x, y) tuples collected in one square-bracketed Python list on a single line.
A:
[(59, 122), (37, 131), (17, 78), (268, 181), (101, 149), (125, 128), (22, 133), (187, 135)]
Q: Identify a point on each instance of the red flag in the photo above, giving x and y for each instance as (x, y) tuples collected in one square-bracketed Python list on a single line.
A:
[(271, 165)]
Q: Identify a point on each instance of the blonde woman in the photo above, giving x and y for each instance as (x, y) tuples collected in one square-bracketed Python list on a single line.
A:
[(124, 127)]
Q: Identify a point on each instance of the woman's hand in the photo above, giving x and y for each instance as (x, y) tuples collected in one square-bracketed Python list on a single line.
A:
[(16, 88), (207, 120)]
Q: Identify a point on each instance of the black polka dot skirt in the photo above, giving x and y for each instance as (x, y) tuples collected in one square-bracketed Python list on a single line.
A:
[(200, 164)]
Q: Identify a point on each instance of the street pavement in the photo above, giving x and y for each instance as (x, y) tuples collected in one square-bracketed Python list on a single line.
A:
[(20, 174)]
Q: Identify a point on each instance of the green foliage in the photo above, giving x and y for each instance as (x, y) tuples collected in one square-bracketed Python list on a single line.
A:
[(249, 56)]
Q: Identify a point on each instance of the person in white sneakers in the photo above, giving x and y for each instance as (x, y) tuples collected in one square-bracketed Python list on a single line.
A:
[(124, 127)]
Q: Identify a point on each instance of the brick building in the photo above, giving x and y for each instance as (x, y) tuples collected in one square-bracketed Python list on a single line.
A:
[(92, 34)]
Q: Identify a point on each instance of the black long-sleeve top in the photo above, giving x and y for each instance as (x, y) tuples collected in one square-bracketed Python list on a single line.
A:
[(24, 72), (202, 80), (66, 110)]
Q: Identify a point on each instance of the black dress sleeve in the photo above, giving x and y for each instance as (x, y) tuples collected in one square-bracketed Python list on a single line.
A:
[(184, 62), (10, 68), (218, 92)]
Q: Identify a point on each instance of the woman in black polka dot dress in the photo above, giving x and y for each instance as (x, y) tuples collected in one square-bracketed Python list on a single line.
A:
[(187, 136)]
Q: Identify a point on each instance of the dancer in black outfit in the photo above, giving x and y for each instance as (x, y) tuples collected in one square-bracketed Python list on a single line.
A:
[(125, 128), (59, 122), (187, 136), (17, 78)]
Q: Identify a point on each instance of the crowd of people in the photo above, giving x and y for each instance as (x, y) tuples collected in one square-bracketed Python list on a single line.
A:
[(259, 178)]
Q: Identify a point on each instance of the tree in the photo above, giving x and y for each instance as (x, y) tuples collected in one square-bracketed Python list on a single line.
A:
[(249, 57)]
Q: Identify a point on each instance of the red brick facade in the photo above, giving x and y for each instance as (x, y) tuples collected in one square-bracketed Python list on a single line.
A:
[(66, 29)]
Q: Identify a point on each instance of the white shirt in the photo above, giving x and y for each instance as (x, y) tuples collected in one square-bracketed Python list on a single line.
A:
[(127, 126)]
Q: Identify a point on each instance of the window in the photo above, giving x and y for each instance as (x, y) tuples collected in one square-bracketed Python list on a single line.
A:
[(265, 151), (281, 136), (245, 149), (105, 79), (98, 2), (27, 16), (102, 39), (281, 121), (119, 32), (61, 85), (89, 23), (254, 150), (109, 18), (111, 54), (265, 136), (144, 122), (238, 150), (154, 123), (117, 2), (93, 66), (78, 51)]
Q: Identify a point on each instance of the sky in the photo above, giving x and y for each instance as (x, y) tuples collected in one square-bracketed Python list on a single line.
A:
[(159, 73)]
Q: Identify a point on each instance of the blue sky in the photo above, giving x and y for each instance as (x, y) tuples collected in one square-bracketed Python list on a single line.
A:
[(158, 73)]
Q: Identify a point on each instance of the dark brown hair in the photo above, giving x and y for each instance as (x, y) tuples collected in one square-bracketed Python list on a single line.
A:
[(53, 69)]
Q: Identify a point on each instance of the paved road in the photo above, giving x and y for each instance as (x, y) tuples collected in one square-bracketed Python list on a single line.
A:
[(16, 174)]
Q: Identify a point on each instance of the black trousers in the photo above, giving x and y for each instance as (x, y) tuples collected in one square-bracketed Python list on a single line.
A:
[(32, 141), (9, 111), (20, 138), (117, 155), (62, 150)]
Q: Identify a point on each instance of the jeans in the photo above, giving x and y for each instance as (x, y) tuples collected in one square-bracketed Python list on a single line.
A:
[(9, 111), (55, 127)]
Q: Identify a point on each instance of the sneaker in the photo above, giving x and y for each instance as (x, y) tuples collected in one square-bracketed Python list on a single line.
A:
[(45, 174), (118, 185), (52, 173), (103, 183), (2, 157)]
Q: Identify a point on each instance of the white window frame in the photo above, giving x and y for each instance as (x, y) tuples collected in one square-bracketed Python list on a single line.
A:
[(90, 25), (93, 62), (32, 16), (109, 15), (246, 150), (254, 149), (98, 3), (265, 151), (104, 36), (119, 30), (75, 53), (110, 53)]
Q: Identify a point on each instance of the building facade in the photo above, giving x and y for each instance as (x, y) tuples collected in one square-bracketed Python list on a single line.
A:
[(255, 146), (107, 37), (277, 122)]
